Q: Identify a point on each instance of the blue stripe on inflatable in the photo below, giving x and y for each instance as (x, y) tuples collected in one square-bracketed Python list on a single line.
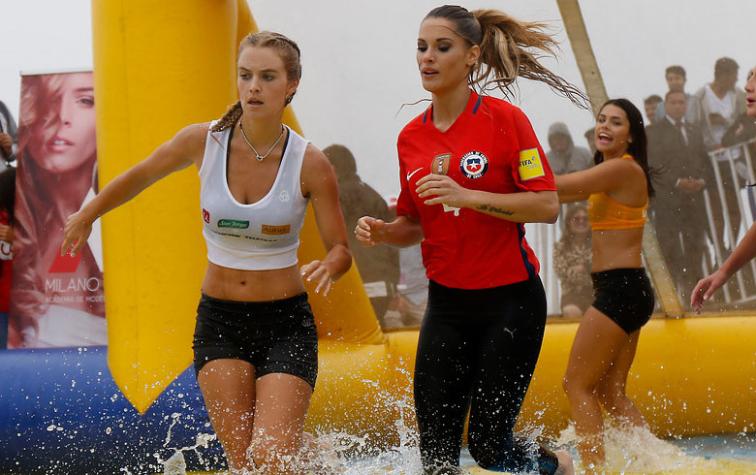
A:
[(61, 412)]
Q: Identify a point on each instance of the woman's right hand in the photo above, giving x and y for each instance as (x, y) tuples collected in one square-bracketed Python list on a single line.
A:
[(370, 231), (75, 233), (706, 288)]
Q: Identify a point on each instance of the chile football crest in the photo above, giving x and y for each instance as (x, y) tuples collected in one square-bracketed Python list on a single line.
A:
[(473, 164)]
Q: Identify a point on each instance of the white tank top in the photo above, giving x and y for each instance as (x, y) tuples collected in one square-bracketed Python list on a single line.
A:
[(257, 236)]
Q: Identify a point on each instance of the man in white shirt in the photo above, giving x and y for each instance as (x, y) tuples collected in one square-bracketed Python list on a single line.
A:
[(719, 103)]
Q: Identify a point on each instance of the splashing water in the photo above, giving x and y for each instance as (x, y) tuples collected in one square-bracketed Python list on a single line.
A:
[(635, 450)]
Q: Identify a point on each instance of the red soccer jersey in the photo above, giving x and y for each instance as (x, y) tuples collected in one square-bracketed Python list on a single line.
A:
[(490, 147)]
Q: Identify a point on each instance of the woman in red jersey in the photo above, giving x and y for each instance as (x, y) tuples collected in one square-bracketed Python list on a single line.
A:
[(617, 189), (472, 172)]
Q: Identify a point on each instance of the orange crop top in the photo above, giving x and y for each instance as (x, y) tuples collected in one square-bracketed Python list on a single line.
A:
[(604, 212)]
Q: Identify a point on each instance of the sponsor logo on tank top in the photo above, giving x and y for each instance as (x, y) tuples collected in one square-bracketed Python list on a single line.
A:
[(474, 164), (440, 164), (233, 223), (283, 196), (205, 215), (530, 164), (276, 230)]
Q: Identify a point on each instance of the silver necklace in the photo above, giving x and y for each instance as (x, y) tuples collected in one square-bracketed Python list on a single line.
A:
[(259, 157)]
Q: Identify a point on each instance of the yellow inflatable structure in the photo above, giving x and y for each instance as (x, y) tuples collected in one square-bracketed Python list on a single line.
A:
[(160, 66)]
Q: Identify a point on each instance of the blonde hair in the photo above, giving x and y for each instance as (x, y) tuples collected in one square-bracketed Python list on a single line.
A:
[(289, 53), (505, 45)]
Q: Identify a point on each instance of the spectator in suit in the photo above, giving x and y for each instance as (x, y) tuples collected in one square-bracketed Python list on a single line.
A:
[(650, 104), (676, 78), (677, 154)]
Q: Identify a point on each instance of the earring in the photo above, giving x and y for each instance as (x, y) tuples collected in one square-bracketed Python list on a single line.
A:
[(290, 98)]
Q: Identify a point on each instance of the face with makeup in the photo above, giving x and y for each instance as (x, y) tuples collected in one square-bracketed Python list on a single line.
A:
[(444, 58), (64, 138), (612, 131), (262, 82)]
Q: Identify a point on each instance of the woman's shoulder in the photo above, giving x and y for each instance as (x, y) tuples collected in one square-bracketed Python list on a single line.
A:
[(502, 108), (192, 134), (416, 124), (315, 163)]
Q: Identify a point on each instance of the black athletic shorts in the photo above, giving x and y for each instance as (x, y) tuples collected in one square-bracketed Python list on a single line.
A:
[(275, 337), (625, 296)]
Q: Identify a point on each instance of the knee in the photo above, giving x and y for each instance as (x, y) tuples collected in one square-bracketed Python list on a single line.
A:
[(574, 388)]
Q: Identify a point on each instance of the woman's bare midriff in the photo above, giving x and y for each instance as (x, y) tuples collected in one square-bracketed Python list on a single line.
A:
[(617, 249), (252, 285)]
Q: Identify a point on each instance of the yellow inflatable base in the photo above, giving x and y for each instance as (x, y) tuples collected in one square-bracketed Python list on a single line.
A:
[(692, 376)]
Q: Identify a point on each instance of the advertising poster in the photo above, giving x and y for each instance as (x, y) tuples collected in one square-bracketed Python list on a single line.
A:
[(55, 301)]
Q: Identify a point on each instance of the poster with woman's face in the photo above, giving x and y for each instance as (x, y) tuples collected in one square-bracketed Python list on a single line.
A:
[(56, 301)]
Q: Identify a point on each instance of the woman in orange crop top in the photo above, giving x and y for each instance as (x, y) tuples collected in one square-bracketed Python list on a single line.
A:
[(617, 189)]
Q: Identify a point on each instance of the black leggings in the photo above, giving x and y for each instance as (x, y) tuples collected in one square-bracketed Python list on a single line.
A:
[(477, 351)]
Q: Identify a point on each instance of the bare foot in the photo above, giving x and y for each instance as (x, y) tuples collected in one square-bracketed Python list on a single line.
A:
[(565, 463)]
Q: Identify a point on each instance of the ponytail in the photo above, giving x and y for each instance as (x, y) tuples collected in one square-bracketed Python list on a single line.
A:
[(228, 120), (505, 45)]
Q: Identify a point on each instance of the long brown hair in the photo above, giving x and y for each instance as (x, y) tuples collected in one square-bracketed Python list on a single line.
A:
[(289, 53), (34, 214), (505, 45)]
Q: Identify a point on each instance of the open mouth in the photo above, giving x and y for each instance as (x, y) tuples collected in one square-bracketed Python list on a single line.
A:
[(604, 138)]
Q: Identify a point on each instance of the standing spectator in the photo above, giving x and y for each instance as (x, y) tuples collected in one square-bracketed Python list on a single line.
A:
[(677, 153), (719, 103), (572, 262), (746, 249), (7, 201), (590, 138), (378, 266), (650, 104), (565, 156), (676, 78), (8, 137)]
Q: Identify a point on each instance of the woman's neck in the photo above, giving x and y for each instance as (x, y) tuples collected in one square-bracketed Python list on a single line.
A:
[(613, 155), (261, 132), (449, 105)]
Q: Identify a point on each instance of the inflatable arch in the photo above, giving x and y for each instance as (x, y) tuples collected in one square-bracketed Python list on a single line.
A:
[(158, 68)]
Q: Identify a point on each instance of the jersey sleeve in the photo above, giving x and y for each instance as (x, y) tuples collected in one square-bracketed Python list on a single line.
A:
[(405, 206), (532, 171)]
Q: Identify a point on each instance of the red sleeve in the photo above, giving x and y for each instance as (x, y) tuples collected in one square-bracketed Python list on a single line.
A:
[(405, 206), (532, 171)]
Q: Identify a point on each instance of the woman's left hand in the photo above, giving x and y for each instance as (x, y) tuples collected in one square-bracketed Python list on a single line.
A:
[(442, 190), (317, 271)]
